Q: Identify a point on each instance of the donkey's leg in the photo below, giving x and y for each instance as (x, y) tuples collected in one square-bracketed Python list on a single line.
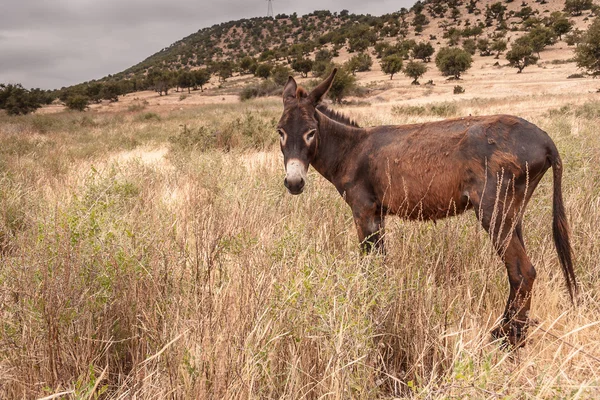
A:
[(505, 229), (521, 276), (369, 225)]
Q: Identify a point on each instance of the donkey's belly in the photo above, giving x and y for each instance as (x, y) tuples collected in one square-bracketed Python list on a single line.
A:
[(427, 208)]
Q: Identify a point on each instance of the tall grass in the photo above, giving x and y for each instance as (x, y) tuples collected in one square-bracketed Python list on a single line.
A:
[(198, 276)]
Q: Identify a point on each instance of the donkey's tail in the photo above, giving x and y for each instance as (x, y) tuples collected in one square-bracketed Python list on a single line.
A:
[(560, 228)]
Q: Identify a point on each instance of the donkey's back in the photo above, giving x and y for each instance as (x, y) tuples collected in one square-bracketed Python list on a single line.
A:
[(433, 170)]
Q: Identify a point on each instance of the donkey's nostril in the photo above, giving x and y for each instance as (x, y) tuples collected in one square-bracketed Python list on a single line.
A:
[(301, 184), (285, 183)]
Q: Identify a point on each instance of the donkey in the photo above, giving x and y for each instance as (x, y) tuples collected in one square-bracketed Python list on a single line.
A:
[(491, 164)]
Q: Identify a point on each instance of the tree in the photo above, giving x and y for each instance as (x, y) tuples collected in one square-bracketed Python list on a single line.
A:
[(561, 25), (359, 63), (323, 55), (263, 70), (303, 66), (201, 78), (185, 80), (77, 102), (391, 65), (587, 53), (576, 7), (281, 74), (17, 100), (453, 61), (521, 56), (246, 64), (224, 70), (342, 85), (538, 38), (110, 91), (483, 45), (499, 46), (159, 80), (470, 46), (423, 51), (359, 44), (415, 70)]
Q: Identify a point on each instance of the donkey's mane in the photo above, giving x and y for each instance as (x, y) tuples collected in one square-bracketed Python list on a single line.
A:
[(337, 116)]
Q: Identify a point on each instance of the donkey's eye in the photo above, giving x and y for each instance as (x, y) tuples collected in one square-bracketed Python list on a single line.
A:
[(311, 135), (281, 134)]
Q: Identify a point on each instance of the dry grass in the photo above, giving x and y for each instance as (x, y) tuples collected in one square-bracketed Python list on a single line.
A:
[(128, 271)]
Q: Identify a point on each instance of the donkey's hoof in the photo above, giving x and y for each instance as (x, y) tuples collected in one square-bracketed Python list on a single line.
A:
[(512, 336)]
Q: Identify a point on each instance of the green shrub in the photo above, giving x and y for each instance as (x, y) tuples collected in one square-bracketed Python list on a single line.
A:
[(458, 89), (77, 102)]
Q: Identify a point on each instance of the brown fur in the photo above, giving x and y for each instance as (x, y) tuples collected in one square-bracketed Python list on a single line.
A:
[(491, 164)]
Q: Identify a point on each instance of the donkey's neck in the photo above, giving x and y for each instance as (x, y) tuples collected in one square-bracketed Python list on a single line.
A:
[(335, 141)]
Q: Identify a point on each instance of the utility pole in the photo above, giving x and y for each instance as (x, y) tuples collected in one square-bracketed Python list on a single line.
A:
[(270, 9)]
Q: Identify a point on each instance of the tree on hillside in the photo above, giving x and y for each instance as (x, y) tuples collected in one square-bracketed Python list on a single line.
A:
[(303, 66), (201, 78), (110, 91), (281, 74), (576, 7), (495, 12), (469, 46), (521, 56), (499, 46), (423, 51), (77, 102), (391, 65), (159, 80), (415, 70), (224, 70), (263, 70), (453, 62), (483, 45), (185, 80), (359, 63), (560, 24), (342, 85), (587, 53), (538, 38), (17, 100), (246, 65)]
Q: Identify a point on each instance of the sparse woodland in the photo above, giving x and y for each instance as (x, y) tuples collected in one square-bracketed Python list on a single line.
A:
[(148, 247)]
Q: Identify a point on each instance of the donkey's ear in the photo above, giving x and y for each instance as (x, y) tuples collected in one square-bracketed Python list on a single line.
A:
[(319, 92), (289, 90)]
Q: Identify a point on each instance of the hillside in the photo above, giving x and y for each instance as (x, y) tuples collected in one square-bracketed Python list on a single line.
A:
[(289, 36)]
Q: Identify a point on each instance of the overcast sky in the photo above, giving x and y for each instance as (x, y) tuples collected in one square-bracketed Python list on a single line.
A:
[(50, 44)]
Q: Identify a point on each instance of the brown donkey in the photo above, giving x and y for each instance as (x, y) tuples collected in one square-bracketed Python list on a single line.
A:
[(429, 171)]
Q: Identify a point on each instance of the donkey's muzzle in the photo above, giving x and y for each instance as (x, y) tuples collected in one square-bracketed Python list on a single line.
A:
[(295, 185)]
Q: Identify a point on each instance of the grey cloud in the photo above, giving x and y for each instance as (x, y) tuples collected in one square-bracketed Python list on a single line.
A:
[(51, 44)]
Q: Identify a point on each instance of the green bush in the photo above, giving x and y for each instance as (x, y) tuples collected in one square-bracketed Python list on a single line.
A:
[(77, 102)]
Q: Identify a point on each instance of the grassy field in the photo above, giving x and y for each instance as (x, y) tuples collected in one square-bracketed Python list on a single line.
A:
[(148, 254)]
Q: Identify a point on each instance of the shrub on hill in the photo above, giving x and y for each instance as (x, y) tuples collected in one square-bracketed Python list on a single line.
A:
[(280, 74), (415, 70), (576, 7), (521, 56), (17, 100), (303, 66), (587, 54), (263, 70), (77, 102), (359, 63), (264, 88), (453, 62), (391, 65), (423, 51)]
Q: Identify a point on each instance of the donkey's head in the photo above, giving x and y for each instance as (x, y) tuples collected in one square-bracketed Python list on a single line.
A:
[(298, 130)]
